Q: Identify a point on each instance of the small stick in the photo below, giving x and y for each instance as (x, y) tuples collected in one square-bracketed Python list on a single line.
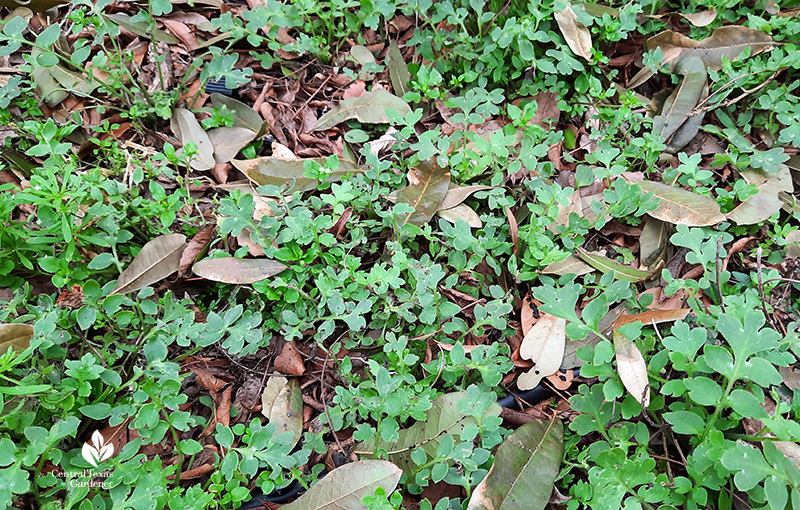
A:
[(761, 283)]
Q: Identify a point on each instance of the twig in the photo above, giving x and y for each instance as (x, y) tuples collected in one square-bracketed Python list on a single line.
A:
[(698, 110), (325, 405), (761, 283), (717, 263)]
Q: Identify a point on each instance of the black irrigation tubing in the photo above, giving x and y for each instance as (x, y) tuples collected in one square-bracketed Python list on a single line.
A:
[(294, 489)]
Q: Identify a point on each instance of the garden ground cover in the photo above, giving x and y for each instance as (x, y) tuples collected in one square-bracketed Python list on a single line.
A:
[(328, 247)]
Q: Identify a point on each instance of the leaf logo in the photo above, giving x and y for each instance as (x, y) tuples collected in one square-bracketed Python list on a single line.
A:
[(95, 451)]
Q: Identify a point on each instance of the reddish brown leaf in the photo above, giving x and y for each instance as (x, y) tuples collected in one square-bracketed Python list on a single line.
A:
[(195, 248), (290, 361)]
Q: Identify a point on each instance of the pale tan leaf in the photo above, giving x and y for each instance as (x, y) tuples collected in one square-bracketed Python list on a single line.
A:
[(793, 244), (157, 259), (279, 172), (287, 411), (271, 391), (702, 18), (578, 37), (729, 41), (228, 141), (16, 336), (461, 212), (766, 202), (570, 265), (238, 271), (681, 207), (544, 345), (369, 108), (398, 70), (632, 368), (344, 487), (189, 130)]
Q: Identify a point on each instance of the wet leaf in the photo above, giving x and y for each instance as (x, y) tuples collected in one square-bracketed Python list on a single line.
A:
[(142, 29), (157, 259), (344, 487), (700, 19), (461, 212), (766, 202), (228, 141), (632, 368), (369, 108), (189, 130), (243, 115), (605, 265), (17, 336), (443, 417), (237, 271), (524, 470), (279, 172), (681, 207), (578, 37), (398, 70), (287, 410), (271, 391), (683, 100), (429, 185), (544, 345), (457, 194), (570, 265), (653, 241), (728, 41)]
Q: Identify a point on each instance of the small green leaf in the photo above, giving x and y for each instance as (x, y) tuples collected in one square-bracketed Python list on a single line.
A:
[(685, 422)]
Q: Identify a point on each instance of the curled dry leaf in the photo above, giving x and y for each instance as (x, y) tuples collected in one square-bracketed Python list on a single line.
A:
[(237, 271), (195, 248), (700, 19), (157, 259), (369, 108), (15, 336), (632, 368), (652, 317), (290, 361), (281, 151), (544, 345), (376, 147), (578, 37), (529, 313)]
